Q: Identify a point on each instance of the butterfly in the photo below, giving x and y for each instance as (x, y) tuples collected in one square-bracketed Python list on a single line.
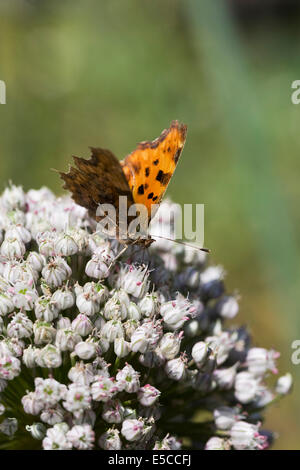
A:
[(143, 176)]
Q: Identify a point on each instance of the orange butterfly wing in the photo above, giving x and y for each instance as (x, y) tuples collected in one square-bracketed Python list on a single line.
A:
[(149, 168)]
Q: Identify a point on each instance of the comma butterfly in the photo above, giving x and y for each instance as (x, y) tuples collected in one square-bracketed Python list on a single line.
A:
[(143, 176)]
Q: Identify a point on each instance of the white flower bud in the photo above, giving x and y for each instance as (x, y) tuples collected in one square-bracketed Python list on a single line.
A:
[(63, 299), (6, 304), (284, 384), (63, 322), (176, 368), (226, 417), (86, 349), (56, 272), (81, 373), (200, 352), (24, 297), (227, 307), (112, 329), (12, 248), (134, 311), (37, 431), (32, 404), (46, 309), (43, 332), (169, 345), (217, 443), (121, 347), (146, 337), (132, 429), (66, 339), (87, 304), (246, 387), (225, 377), (259, 361), (13, 198), (82, 325), (49, 391), (20, 232), (148, 305), (56, 438), (36, 261), (148, 395), (29, 355), (66, 245), (110, 440), (49, 357)]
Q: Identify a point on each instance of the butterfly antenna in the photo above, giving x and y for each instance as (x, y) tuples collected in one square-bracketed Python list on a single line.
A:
[(206, 250)]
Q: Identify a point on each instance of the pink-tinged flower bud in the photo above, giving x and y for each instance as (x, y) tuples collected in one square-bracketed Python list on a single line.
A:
[(217, 443), (148, 395), (145, 338), (110, 440), (10, 367), (132, 429), (53, 415), (169, 345), (32, 404), (56, 272), (49, 357), (12, 248), (128, 379), (87, 303), (117, 307), (113, 412), (77, 398), (134, 280), (121, 347), (168, 443), (104, 388), (284, 384), (245, 436), (46, 242), (176, 368), (82, 325), (82, 437), (63, 299), (112, 329), (246, 387), (20, 326), (20, 232), (260, 360), (175, 312), (66, 246)]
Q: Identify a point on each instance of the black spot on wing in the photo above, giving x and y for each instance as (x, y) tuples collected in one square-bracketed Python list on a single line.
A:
[(163, 178), (147, 171), (150, 196), (156, 162), (141, 189)]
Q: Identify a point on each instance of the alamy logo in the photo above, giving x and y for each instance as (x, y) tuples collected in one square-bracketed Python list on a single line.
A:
[(2, 92)]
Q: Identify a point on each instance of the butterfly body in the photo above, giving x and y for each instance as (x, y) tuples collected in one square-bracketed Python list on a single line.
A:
[(143, 176)]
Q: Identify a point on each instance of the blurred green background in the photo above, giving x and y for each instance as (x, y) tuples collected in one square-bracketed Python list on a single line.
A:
[(81, 73)]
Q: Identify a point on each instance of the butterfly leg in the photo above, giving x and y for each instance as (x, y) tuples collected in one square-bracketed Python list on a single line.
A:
[(118, 256)]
